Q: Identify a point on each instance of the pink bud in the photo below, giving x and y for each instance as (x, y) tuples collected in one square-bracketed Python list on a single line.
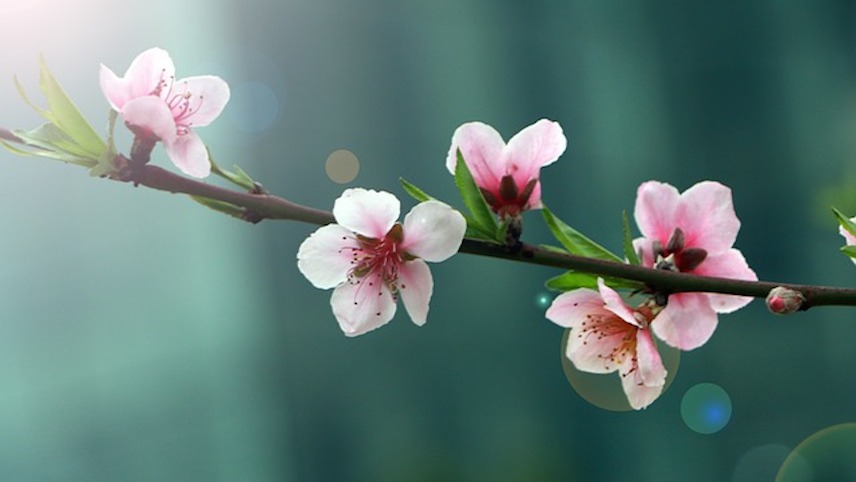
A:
[(784, 301)]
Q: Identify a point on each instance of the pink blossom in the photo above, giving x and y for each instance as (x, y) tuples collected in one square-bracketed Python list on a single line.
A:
[(508, 175), (370, 259), (691, 232), (607, 336), (849, 239), (154, 105)]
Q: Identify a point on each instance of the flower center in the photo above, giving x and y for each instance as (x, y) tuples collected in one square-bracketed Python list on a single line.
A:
[(181, 101), (675, 256), (377, 260), (600, 326)]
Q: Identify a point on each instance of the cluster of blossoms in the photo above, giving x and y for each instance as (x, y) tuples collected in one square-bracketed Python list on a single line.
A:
[(369, 259)]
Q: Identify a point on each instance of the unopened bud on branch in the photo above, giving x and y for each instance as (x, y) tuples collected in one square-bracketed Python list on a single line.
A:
[(784, 301)]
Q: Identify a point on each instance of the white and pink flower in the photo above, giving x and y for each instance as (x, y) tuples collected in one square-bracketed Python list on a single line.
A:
[(849, 239), (608, 336), (370, 259), (156, 106), (508, 174), (691, 232)]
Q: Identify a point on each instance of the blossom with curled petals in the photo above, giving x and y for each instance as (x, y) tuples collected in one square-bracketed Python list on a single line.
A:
[(691, 232), (608, 336), (371, 259), (156, 106), (508, 174)]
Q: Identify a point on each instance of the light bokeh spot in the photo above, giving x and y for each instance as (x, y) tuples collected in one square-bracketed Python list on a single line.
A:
[(760, 463), (342, 166), (706, 408), (543, 300), (829, 454), (604, 390)]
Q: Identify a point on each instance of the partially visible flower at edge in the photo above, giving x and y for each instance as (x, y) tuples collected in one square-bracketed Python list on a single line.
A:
[(849, 239), (691, 232), (370, 259), (607, 336), (156, 106), (508, 174)]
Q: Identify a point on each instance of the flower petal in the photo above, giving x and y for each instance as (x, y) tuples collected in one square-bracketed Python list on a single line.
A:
[(590, 350), (149, 116), (706, 214), (649, 363), (360, 308), (569, 309), (656, 203), (535, 146), (687, 321), (613, 302), (367, 212), (324, 258), (482, 148), (189, 154), (415, 286), (638, 394), (727, 264), (433, 231), (147, 70), (209, 95)]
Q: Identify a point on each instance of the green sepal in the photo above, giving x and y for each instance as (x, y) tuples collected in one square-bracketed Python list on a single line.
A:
[(572, 280), (415, 192), (67, 117), (849, 251), (629, 252), (576, 242), (481, 217), (844, 221), (239, 177), (220, 206)]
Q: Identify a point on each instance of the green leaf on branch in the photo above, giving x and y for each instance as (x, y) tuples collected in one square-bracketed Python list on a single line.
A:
[(239, 177), (413, 191), (481, 217), (849, 251), (220, 206), (576, 242), (51, 142), (67, 117), (629, 252), (845, 222), (572, 280)]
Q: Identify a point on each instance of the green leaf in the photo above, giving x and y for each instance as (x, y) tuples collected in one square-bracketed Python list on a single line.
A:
[(51, 137), (67, 116), (576, 242), (849, 251), (415, 192), (572, 280), (844, 221), (629, 252), (474, 201), (106, 164), (239, 178), (220, 206)]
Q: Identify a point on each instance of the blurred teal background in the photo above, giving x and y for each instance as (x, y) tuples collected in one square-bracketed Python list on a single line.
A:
[(146, 338)]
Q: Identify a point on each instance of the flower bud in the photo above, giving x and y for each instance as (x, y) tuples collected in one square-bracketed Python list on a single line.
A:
[(784, 301)]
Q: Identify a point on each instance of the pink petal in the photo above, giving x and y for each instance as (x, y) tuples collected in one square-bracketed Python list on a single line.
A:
[(638, 394), (189, 154), (849, 239), (360, 308), (687, 321), (706, 214), (149, 116), (141, 79), (727, 264), (535, 146), (433, 231), (534, 201), (643, 246), (324, 258), (415, 286), (591, 352), (209, 95), (482, 148), (656, 203), (613, 302), (569, 309), (367, 212), (649, 363)]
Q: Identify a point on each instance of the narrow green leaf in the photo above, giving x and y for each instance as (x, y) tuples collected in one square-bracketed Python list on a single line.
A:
[(49, 154), (107, 161), (414, 192), (23, 94), (849, 251), (629, 252), (572, 280), (844, 221), (473, 199), (67, 116), (238, 178), (576, 242), (50, 137), (220, 206)]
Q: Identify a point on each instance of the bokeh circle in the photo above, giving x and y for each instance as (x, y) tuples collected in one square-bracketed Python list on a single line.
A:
[(706, 408), (342, 166), (829, 454)]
